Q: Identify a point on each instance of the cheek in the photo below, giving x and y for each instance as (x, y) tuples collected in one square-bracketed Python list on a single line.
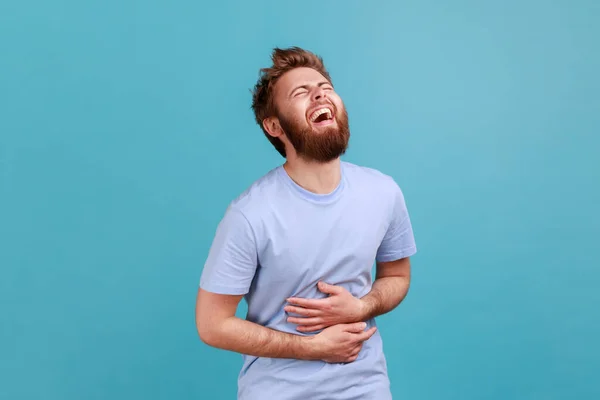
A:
[(297, 110), (294, 115), (337, 101)]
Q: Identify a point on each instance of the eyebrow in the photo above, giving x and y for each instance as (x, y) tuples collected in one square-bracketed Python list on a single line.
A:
[(306, 86)]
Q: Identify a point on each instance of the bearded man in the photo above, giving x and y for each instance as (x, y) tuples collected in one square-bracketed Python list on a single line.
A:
[(299, 245)]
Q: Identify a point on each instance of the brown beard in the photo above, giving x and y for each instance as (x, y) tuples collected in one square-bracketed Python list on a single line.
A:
[(324, 146)]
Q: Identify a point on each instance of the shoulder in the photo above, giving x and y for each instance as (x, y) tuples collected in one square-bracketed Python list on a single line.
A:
[(255, 198), (243, 214), (371, 178)]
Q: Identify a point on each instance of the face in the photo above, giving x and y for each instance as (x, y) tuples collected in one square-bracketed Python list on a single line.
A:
[(311, 115)]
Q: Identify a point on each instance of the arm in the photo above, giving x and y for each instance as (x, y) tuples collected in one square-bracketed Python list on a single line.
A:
[(392, 278), (227, 275), (219, 327), (392, 281)]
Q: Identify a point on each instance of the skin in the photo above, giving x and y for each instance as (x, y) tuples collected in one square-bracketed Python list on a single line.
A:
[(340, 316)]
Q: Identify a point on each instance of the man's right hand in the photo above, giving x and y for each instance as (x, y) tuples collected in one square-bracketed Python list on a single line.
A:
[(341, 343)]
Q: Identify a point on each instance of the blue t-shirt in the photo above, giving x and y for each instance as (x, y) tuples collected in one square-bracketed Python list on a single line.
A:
[(277, 240)]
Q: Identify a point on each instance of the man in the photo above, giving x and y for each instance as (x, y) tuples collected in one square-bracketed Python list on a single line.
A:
[(299, 245)]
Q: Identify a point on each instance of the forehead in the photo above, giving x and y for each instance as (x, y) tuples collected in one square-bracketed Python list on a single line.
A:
[(297, 77)]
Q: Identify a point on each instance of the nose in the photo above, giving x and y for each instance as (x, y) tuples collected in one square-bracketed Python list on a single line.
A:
[(319, 93)]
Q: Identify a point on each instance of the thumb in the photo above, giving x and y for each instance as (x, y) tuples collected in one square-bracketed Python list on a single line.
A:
[(357, 327), (329, 289)]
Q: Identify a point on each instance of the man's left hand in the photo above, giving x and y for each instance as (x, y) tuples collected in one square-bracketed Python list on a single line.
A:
[(340, 307)]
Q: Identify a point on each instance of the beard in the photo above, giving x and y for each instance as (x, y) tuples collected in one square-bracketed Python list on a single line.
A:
[(320, 144)]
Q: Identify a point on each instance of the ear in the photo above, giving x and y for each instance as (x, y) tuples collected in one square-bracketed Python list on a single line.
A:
[(271, 125)]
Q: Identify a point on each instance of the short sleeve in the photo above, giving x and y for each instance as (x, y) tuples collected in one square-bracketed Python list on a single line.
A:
[(399, 241), (232, 259)]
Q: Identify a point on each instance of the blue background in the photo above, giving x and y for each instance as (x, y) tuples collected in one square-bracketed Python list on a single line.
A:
[(125, 130)]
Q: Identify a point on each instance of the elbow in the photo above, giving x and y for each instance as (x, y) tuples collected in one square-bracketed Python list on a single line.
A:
[(208, 339), (212, 314), (209, 331), (205, 332)]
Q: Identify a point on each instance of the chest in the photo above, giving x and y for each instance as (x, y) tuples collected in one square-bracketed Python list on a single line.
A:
[(338, 243)]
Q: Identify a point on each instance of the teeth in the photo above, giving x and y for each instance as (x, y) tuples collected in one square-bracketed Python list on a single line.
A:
[(320, 111)]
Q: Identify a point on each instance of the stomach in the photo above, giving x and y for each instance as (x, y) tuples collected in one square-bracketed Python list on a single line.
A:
[(314, 379)]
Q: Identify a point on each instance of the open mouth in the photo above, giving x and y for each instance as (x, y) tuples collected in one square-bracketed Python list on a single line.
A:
[(322, 116)]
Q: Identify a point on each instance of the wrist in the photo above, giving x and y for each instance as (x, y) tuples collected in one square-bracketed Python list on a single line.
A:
[(310, 348), (366, 309)]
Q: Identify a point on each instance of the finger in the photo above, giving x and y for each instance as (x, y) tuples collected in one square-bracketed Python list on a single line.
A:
[(305, 321), (367, 334), (353, 358), (312, 328), (306, 303), (356, 350), (356, 327), (329, 289), (307, 312)]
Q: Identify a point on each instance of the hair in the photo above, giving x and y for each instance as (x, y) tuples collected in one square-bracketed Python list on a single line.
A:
[(284, 60)]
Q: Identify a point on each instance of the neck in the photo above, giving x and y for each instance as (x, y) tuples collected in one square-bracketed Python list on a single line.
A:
[(319, 178)]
